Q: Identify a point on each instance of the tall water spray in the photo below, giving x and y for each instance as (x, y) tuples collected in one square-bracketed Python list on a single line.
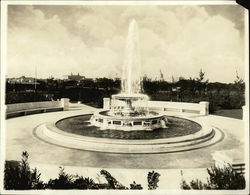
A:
[(131, 73)]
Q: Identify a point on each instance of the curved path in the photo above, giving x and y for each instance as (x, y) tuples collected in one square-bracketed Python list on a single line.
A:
[(19, 137)]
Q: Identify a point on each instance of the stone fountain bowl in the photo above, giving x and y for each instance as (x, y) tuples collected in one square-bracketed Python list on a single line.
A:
[(128, 123), (132, 97)]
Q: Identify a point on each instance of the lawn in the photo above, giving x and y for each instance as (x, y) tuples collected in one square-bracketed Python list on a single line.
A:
[(234, 113)]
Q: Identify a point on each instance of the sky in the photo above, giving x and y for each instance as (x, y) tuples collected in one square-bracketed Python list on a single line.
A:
[(90, 40)]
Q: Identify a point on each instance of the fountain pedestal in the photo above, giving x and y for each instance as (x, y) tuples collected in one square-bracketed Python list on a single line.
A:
[(128, 112)]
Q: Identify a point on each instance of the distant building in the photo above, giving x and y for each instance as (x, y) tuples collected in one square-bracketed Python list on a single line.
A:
[(73, 77), (22, 80), (176, 88)]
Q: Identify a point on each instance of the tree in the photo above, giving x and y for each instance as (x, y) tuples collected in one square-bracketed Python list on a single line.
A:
[(201, 85), (201, 76), (173, 79), (238, 80), (239, 83), (161, 76)]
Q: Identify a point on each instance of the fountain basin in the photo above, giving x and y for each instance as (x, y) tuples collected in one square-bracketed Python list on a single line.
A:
[(177, 127), (206, 136)]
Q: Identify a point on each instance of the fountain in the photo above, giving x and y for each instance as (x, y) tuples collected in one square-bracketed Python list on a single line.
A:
[(128, 110), (128, 124)]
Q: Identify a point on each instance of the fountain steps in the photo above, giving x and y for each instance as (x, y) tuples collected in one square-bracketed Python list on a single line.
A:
[(51, 134)]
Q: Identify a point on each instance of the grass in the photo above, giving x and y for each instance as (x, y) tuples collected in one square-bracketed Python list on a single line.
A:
[(80, 125), (234, 113)]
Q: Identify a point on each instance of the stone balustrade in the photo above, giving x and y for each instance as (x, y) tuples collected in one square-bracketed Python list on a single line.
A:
[(201, 108), (20, 109)]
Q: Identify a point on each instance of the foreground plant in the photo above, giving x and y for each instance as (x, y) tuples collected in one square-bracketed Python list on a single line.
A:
[(219, 178), (113, 183), (19, 176), (153, 179)]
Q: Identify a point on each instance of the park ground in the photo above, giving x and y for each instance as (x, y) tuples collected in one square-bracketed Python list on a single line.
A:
[(126, 168)]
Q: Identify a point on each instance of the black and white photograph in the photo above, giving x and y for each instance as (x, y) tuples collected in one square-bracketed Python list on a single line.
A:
[(111, 97)]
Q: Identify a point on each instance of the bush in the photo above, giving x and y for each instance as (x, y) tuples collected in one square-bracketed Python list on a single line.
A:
[(225, 178), (64, 181), (135, 186), (153, 179), (84, 183), (219, 179), (184, 185), (18, 176), (112, 182)]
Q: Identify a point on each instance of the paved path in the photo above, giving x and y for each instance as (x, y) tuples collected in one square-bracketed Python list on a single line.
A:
[(19, 137)]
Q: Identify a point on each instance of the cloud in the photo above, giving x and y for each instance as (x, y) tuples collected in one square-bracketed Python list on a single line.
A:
[(179, 40), (97, 28), (183, 41), (47, 44)]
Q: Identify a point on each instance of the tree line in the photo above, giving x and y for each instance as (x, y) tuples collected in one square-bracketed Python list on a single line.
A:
[(92, 91)]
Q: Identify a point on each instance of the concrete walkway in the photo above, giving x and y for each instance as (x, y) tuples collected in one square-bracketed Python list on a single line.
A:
[(19, 137)]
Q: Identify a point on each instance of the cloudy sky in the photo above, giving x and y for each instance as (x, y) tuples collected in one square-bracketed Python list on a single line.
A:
[(178, 40)]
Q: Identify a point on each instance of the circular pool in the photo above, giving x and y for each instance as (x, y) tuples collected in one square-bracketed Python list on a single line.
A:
[(181, 134), (81, 125)]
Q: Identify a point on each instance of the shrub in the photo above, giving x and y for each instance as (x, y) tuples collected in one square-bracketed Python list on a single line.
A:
[(84, 183), (135, 186), (18, 176), (112, 182), (219, 178), (225, 178), (184, 185), (64, 181), (153, 179)]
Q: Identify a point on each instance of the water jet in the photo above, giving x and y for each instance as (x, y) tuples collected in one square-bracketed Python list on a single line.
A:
[(129, 110)]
